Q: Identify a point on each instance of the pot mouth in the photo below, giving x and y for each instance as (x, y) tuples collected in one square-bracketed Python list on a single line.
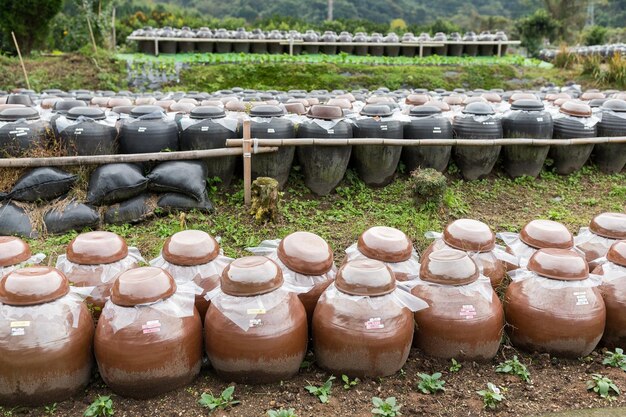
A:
[(295, 108), (365, 277), (143, 285), (417, 99), (266, 110), (479, 108), (250, 276), (96, 248), (139, 111), (449, 267), (14, 114), (306, 253), (13, 251), (609, 225), (424, 110), (616, 105), (190, 247), (540, 234), (90, 112), (575, 108), (326, 112), (527, 105), (377, 110), (559, 264), (385, 244), (32, 286), (469, 235), (617, 253), (207, 112)]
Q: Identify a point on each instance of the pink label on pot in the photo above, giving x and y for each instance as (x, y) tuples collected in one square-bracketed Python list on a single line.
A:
[(374, 323), (468, 311), (151, 326)]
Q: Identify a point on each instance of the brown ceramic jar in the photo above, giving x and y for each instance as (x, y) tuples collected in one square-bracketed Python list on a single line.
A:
[(554, 309), (143, 346), (270, 343), (352, 337), (613, 291), (477, 239), (93, 259), (608, 227), (13, 251), (464, 321), (46, 338)]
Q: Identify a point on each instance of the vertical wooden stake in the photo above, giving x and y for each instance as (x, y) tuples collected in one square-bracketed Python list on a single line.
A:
[(93, 40), (114, 40), (19, 54), (247, 163)]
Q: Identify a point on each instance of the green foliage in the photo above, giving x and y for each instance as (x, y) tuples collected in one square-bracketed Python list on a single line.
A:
[(564, 58), (603, 386), (615, 359), (535, 28), (50, 409), (322, 392), (289, 412), (101, 407), (429, 186), (387, 407), (430, 384), (29, 19), (492, 396), (456, 366), (348, 383), (225, 400), (595, 35), (514, 367)]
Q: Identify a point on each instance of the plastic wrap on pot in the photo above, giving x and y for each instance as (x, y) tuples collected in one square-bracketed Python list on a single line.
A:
[(16, 254), (594, 241), (613, 289)]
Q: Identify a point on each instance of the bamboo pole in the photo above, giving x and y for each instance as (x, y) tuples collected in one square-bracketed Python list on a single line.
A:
[(111, 159), (246, 150), (428, 142), (19, 54), (113, 34), (93, 39)]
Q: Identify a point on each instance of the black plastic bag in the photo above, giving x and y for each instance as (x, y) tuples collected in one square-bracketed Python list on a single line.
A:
[(183, 177), (75, 216), (42, 184), (114, 183), (172, 202), (15, 221), (134, 210)]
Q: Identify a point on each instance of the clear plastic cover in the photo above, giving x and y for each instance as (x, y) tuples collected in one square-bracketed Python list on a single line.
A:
[(21, 122), (401, 296), (229, 123), (107, 271), (193, 273), (305, 283), (587, 122), (36, 259), (63, 122), (586, 237), (481, 287), (324, 123), (554, 284), (611, 271), (477, 118), (410, 267), (521, 251), (497, 252), (180, 304)]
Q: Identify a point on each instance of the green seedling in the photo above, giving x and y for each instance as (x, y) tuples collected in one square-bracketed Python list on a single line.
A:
[(347, 383), (602, 386), (321, 392), (289, 412), (225, 400), (431, 384), (387, 407), (101, 407), (514, 367), (615, 359), (492, 396), (455, 367), (50, 409)]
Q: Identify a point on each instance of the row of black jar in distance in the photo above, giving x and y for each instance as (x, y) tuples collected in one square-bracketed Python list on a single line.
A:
[(86, 130), (257, 309)]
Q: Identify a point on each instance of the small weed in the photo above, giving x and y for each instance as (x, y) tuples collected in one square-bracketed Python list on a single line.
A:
[(321, 392), (347, 383), (430, 384), (492, 396), (455, 367), (289, 412), (387, 407), (514, 367), (50, 409), (603, 386), (615, 359), (101, 407), (225, 400)]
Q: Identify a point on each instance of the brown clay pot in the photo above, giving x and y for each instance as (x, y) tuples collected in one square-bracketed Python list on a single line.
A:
[(386, 244), (274, 345), (13, 251), (352, 338), (565, 321), (460, 326), (156, 352), (614, 295), (611, 226), (43, 358)]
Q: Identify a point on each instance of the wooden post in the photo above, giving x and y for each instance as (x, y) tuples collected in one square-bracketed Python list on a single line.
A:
[(421, 50), (19, 54), (93, 40), (247, 163), (499, 49), (291, 46), (114, 40)]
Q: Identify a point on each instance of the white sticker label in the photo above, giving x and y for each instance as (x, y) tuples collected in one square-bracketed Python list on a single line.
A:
[(151, 326), (142, 129), (383, 127), (468, 311), (205, 128), (18, 331), (374, 323), (270, 130), (581, 298), (330, 131), (256, 323), (255, 311), (437, 130), (20, 324), (540, 119)]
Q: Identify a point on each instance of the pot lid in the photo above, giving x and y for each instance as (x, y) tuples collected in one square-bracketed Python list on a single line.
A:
[(95, 248), (385, 244), (145, 101), (422, 111), (453, 100), (251, 275), (492, 97), (182, 107), (575, 108), (617, 253), (119, 101), (190, 247), (33, 285), (306, 253), (16, 113), (449, 267), (235, 105), (541, 234), (366, 277), (90, 112), (65, 105), (322, 111), (376, 110), (609, 225), (469, 235), (592, 95), (266, 110), (479, 108), (443, 106), (561, 264), (417, 99), (597, 102), (143, 285), (343, 103), (207, 112), (13, 251), (295, 108), (615, 105), (527, 105), (139, 111)]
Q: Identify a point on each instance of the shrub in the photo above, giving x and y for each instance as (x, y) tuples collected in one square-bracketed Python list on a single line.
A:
[(428, 185)]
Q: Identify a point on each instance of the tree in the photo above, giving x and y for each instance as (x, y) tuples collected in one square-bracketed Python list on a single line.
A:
[(570, 14), (29, 19), (535, 28)]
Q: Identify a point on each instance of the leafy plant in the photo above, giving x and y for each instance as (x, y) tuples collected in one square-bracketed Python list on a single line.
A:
[(514, 367), (289, 412), (322, 392), (101, 407), (50, 409), (603, 386), (428, 185), (347, 383), (387, 407), (615, 359), (492, 396), (430, 384), (455, 367), (225, 400)]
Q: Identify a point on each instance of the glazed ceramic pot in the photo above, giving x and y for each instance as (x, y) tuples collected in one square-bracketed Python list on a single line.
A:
[(427, 122), (554, 306), (148, 130), (604, 230), (149, 336), (13, 252), (21, 129), (465, 319), (85, 132), (94, 259), (193, 256), (613, 289), (575, 122), (611, 157), (477, 239), (255, 331), (358, 328), (46, 336)]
